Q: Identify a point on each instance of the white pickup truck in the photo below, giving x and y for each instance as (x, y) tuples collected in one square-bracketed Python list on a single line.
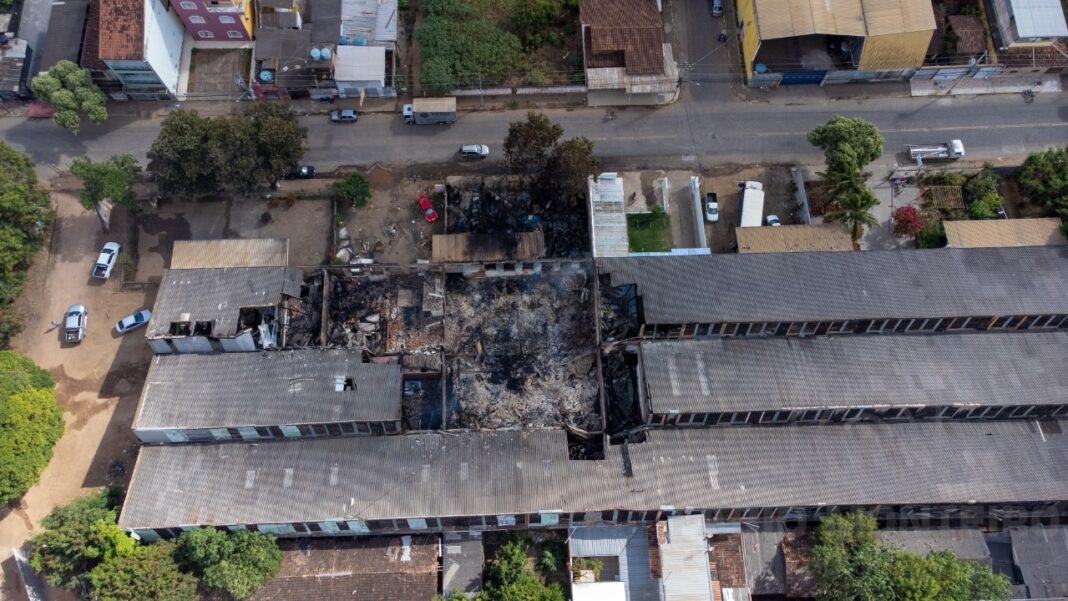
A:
[(74, 324)]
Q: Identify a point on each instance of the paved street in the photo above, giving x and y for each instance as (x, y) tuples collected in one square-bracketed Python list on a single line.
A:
[(691, 131)]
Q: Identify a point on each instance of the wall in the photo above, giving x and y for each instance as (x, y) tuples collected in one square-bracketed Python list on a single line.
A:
[(750, 34), (895, 51), (213, 28), (163, 43)]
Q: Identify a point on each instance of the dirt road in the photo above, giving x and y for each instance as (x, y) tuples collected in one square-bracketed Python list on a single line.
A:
[(97, 382)]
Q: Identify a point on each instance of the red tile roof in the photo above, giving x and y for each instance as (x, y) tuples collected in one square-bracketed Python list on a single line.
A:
[(1047, 57), (971, 38), (623, 33), (122, 37)]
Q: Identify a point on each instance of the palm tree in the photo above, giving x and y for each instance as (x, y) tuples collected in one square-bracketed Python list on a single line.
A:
[(851, 201)]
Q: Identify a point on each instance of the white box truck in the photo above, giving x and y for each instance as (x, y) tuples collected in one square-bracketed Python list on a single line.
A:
[(752, 199), (430, 111)]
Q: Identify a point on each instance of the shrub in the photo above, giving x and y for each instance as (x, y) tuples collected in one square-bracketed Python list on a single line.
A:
[(586, 564), (933, 235), (981, 185), (30, 424), (354, 190), (985, 207), (908, 221)]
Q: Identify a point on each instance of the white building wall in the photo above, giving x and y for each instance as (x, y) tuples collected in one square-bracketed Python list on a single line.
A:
[(163, 42)]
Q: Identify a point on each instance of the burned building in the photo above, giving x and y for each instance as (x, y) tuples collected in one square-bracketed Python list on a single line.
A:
[(525, 479), (226, 309), (260, 396), (833, 293), (837, 379)]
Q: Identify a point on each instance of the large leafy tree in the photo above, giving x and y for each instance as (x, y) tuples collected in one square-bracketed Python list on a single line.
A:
[(72, 93), (530, 143), (355, 190), (850, 564), (851, 202), (78, 537), (25, 212), (237, 563), (570, 164), (112, 180), (277, 138), (848, 140), (147, 573), (509, 577), (1044, 180), (30, 424), (189, 153)]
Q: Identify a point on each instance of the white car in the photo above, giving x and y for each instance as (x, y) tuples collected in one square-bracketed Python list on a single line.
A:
[(474, 151), (105, 262), (74, 323), (711, 207), (772, 220), (132, 322)]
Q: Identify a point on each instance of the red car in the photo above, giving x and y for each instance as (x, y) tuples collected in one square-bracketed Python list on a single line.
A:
[(427, 208)]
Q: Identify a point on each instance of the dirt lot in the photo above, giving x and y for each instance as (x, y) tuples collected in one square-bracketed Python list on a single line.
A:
[(723, 180), (391, 228), (98, 382)]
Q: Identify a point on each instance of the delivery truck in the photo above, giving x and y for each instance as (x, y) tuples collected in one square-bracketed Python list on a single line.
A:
[(430, 111)]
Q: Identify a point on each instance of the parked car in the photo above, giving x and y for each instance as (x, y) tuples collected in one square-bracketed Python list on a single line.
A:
[(717, 8), (772, 220), (106, 260), (344, 116), (302, 172), (711, 207), (474, 151), (427, 208), (74, 323), (132, 322)]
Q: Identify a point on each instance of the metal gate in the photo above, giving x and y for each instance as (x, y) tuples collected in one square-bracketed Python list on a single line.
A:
[(794, 78)]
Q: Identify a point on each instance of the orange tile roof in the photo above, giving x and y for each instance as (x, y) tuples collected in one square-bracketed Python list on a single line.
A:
[(624, 33), (122, 35)]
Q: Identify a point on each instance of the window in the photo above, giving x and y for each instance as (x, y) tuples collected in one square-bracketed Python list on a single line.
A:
[(234, 34), (226, 19), (207, 35), (187, 5), (199, 20)]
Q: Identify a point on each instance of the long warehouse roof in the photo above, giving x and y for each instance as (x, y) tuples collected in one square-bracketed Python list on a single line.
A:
[(944, 282), (267, 389), (492, 473), (749, 374)]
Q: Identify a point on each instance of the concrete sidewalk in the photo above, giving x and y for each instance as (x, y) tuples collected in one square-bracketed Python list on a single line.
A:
[(1042, 83)]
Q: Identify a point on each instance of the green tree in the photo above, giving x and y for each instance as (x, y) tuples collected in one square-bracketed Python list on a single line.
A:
[(848, 140), (436, 75), (961, 580), (148, 573), (529, 144), (237, 563), (933, 235), (189, 153), (112, 180), (1044, 180), (509, 578), (78, 537), (72, 93), (277, 137), (30, 424), (25, 212), (531, 19), (851, 201), (570, 163), (985, 207), (914, 579), (355, 189)]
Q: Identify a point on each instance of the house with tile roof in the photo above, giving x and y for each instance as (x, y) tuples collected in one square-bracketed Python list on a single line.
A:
[(627, 60), (133, 48)]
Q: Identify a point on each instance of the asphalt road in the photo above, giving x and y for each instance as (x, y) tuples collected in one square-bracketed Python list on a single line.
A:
[(690, 132)]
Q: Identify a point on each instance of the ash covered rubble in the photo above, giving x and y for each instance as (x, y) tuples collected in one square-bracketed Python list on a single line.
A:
[(523, 350), (504, 205)]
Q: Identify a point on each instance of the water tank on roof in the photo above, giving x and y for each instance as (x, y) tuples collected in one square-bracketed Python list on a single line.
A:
[(266, 75), (315, 54), (342, 41), (325, 53), (359, 41)]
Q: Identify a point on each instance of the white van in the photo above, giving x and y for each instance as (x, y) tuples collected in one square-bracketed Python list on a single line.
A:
[(474, 151)]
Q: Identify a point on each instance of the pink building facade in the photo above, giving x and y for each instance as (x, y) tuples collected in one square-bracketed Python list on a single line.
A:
[(216, 20)]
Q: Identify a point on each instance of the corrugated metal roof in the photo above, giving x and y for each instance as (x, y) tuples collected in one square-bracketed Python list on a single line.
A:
[(360, 64), (754, 374), (992, 233), (1039, 18), (253, 252), (630, 544), (492, 473), (791, 18), (965, 543), (462, 561), (772, 287), (608, 216), (684, 558), (884, 17), (373, 20), (217, 295), (1041, 553), (794, 238), (277, 388)]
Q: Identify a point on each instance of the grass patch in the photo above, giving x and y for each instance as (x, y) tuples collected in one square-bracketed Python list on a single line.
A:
[(649, 232)]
